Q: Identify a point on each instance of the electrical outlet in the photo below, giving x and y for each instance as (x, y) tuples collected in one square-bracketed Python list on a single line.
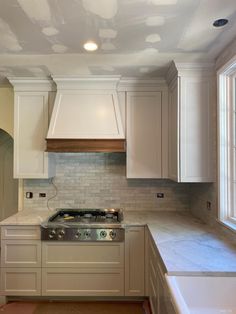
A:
[(29, 194), (160, 195), (42, 194), (208, 205)]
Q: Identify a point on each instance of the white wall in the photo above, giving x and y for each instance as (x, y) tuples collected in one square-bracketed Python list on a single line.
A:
[(8, 185), (6, 109)]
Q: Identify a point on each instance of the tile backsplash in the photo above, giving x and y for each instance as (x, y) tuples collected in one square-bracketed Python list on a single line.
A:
[(99, 180)]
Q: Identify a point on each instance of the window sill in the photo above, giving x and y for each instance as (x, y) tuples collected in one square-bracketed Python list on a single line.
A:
[(229, 224)]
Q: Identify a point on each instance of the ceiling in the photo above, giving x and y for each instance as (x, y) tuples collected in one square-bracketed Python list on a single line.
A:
[(135, 37)]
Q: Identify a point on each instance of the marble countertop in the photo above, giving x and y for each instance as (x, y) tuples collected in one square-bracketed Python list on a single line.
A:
[(27, 217), (186, 245)]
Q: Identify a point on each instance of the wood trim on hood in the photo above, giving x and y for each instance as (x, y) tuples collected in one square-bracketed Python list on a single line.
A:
[(86, 145)]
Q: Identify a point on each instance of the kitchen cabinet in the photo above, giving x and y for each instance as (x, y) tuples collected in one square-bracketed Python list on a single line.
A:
[(144, 135), (31, 115), (82, 281), (82, 269), (134, 261), (191, 99), (20, 261), (159, 297)]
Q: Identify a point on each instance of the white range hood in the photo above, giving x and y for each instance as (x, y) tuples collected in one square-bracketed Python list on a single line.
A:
[(86, 112)]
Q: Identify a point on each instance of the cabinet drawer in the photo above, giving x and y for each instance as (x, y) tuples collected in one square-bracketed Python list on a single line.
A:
[(153, 293), (21, 253), (21, 281), (68, 254), (82, 282), (18, 232), (152, 253)]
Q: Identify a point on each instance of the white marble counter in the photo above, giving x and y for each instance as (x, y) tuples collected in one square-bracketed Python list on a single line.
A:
[(27, 217), (186, 245)]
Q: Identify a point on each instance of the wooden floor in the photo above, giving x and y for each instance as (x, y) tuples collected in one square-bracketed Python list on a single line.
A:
[(87, 307)]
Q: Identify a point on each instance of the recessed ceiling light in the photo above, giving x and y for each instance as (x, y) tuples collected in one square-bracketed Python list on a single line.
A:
[(220, 22), (90, 46)]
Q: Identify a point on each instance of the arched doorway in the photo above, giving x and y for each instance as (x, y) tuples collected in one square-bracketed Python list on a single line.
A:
[(8, 185)]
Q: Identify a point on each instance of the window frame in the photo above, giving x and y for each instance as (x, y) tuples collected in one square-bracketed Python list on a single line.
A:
[(226, 108)]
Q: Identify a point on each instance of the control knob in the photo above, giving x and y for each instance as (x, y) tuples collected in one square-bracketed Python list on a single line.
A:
[(52, 234), (112, 234), (78, 234), (61, 233), (87, 234), (103, 234)]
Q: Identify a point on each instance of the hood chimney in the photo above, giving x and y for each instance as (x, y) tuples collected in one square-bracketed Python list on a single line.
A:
[(86, 116)]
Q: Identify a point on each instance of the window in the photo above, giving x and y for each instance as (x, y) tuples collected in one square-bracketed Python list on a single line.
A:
[(227, 143)]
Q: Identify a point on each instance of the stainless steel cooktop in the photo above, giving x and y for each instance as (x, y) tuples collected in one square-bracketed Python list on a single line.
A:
[(84, 225)]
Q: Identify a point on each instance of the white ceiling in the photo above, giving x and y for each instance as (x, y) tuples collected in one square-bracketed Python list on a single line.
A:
[(135, 37)]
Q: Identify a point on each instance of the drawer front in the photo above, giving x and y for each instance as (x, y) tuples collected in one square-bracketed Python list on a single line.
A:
[(82, 282), (19, 232), (70, 254), (153, 294), (20, 253), (21, 281)]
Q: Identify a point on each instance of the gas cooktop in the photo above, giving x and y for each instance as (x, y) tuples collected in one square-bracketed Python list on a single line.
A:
[(82, 224), (87, 216)]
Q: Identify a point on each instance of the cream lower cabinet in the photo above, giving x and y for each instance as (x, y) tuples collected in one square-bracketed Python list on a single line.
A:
[(134, 261), (159, 297), (82, 269), (20, 261)]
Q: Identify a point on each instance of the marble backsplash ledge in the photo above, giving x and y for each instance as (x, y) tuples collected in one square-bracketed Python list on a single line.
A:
[(99, 180)]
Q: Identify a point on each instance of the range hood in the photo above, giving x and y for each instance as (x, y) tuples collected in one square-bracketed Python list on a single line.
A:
[(86, 116)]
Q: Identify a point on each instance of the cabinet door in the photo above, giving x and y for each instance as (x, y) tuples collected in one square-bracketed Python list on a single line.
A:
[(89, 255), (134, 261), (152, 278), (190, 138), (69, 281), (144, 135), (20, 253), (21, 281), (30, 130), (173, 131), (195, 129)]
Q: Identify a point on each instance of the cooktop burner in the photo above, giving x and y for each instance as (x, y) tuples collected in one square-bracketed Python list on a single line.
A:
[(87, 216)]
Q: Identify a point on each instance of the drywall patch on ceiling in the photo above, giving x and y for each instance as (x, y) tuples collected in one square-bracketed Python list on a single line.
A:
[(40, 70), (108, 68), (108, 46), (36, 10), (107, 33), (106, 9), (150, 51), (155, 20), (59, 48), (144, 70), (50, 31), (163, 2), (153, 38), (8, 40)]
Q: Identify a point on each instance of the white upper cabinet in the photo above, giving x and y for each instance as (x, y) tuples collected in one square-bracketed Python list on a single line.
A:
[(147, 134), (30, 129), (191, 97)]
